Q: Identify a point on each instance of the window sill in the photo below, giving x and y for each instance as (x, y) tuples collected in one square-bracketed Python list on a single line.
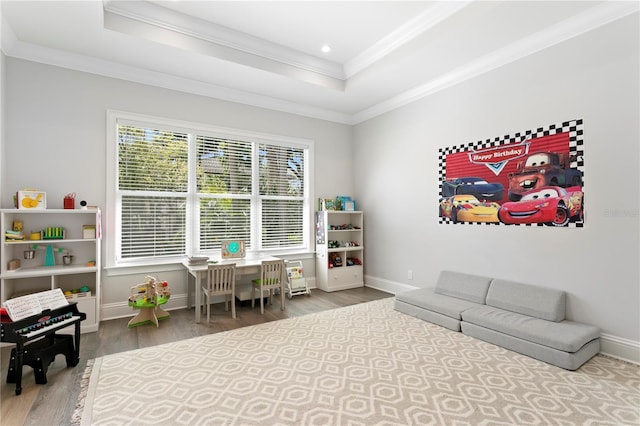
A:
[(117, 270), (176, 265)]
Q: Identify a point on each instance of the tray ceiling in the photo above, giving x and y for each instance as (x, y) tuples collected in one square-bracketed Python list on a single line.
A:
[(384, 54)]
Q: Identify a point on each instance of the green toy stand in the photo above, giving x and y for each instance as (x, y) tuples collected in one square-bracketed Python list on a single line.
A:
[(147, 298)]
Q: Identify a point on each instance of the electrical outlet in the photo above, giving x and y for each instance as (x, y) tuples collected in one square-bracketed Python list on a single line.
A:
[(410, 274)]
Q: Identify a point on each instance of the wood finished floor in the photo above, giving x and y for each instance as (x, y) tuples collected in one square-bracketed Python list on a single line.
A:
[(55, 402)]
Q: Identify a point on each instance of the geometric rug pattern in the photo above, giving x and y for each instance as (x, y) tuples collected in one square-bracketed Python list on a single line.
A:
[(365, 364)]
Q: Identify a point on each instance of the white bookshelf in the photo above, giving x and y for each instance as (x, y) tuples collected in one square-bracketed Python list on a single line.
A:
[(33, 276), (339, 234)]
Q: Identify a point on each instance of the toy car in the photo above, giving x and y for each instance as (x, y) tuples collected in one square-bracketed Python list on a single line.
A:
[(467, 208), (475, 186), (550, 205), (543, 169)]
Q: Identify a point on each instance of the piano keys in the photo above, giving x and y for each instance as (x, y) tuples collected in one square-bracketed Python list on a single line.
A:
[(35, 336)]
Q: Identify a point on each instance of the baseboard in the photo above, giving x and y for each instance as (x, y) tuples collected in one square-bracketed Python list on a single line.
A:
[(619, 348), (112, 311), (613, 346), (122, 309), (386, 285)]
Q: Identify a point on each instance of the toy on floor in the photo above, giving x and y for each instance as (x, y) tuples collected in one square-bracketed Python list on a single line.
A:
[(296, 282), (148, 297)]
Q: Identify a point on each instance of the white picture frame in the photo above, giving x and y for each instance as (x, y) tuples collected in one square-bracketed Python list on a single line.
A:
[(232, 249), (32, 200)]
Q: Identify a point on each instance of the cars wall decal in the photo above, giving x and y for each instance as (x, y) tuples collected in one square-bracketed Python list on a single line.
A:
[(533, 177)]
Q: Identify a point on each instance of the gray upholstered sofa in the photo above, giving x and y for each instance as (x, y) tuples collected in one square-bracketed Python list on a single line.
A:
[(521, 317)]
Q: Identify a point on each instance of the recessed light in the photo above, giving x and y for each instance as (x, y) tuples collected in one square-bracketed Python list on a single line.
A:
[(325, 48)]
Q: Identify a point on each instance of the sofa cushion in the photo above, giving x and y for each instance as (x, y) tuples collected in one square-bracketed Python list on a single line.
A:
[(463, 286), (539, 302), (565, 336), (425, 298), (427, 315), (568, 360)]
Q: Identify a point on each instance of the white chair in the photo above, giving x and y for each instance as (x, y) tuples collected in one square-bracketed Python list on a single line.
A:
[(272, 276), (221, 281)]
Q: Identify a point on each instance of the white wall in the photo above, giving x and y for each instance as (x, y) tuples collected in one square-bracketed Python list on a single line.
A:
[(55, 141), (594, 77)]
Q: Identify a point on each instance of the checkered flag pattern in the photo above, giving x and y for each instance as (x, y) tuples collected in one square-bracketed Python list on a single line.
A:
[(575, 129)]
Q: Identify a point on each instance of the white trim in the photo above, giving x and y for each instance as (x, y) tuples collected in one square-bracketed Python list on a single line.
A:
[(115, 271), (563, 31), (8, 37), (110, 216), (143, 268), (388, 286), (117, 310), (111, 311), (404, 34), (209, 129), (73, 61), (160, 17), (620, 348)]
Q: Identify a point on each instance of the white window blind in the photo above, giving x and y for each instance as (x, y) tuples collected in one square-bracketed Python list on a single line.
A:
[(152, 187), (281, 176), (224, 188), (182, 192)]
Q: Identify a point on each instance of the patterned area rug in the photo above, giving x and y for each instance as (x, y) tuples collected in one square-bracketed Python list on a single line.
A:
[(360, 365)]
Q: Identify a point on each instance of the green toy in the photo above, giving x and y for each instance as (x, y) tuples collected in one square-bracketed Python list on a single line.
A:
[(148, 297), (49, 257)]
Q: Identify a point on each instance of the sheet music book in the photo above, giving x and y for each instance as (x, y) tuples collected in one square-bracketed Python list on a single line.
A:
[(33, 304), (52, 299)]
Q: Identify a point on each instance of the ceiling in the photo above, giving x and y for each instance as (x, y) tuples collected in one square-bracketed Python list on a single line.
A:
[(384, 54)]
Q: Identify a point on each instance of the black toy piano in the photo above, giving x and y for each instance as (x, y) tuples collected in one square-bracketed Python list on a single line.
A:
[(37, 342)]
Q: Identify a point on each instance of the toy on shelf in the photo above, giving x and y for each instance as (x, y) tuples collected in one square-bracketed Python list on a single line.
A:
[(78, 293), (147, 297), (49, 257), (53, 233), (335, 260)]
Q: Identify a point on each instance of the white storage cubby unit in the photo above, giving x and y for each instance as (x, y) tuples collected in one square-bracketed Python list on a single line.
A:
[(339, 250), (33, 275)]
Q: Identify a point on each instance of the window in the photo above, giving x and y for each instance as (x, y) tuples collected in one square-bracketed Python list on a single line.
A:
[(180, 189)]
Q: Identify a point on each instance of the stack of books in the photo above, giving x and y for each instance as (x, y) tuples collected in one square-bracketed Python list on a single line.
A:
[(13, 236), (198, 260)]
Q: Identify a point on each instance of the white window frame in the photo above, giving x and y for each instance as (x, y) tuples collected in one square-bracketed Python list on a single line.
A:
[(111, 215)]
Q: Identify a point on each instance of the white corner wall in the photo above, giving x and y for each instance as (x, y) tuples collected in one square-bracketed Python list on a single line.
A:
[(594, 77), (55, 141)]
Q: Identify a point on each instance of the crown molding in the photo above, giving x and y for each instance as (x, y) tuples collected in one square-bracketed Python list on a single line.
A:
[(40, 54), (147, 13), (150, 14), (8, 37), (589, 20), (404, 34)]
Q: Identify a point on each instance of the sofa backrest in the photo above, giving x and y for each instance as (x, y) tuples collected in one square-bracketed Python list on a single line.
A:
[(463, 286), (540, 302)]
